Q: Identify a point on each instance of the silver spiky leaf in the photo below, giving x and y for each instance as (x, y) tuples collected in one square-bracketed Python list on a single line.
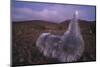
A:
[(66, 48)]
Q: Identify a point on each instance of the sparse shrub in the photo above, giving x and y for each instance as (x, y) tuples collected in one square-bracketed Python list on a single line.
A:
[(40, 27)]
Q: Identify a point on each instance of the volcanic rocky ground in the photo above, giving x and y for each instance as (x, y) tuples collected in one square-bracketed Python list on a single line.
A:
[(25, 34)]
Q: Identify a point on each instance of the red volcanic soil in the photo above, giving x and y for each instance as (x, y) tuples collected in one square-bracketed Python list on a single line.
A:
[(25, 34)]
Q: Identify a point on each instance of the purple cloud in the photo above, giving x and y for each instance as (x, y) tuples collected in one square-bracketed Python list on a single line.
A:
[(50, 12), (45, 14)]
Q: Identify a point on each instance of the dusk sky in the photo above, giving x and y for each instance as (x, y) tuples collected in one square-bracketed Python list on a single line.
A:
[(22, 11)]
